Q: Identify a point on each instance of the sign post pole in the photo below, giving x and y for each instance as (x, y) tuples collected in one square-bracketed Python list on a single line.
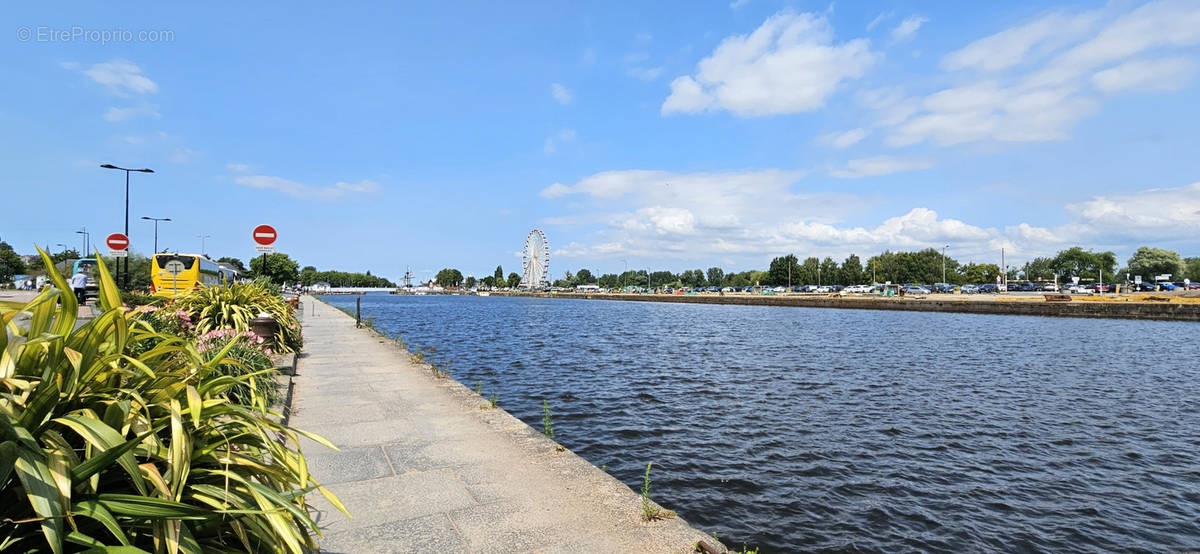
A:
[(265, 236)]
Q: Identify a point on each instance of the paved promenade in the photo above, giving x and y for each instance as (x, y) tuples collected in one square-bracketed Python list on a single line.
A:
[(424, 466)]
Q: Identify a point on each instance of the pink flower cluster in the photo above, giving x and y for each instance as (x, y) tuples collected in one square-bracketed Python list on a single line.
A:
[(218, 338)]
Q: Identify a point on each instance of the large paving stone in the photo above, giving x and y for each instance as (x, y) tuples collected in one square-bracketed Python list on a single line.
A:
[(351, 464), (433, 533), (390, 499)]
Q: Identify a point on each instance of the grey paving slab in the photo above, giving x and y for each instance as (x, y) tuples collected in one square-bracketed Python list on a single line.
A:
[(425, 466), (395, 498), (349, 464), (432, 533)]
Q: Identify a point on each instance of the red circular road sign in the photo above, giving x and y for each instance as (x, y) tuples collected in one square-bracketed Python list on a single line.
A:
[(264, 235), (117, 241)]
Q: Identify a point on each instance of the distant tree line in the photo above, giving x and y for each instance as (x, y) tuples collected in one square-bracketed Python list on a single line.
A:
[(922, 266), (309, 275)]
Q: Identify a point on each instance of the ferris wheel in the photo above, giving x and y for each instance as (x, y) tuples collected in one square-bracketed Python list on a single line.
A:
[(535, 261)]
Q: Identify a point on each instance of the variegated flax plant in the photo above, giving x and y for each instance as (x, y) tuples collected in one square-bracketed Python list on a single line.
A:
[(105, 448)]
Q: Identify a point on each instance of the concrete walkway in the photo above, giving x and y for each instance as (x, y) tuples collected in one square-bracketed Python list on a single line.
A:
[(425, 466)]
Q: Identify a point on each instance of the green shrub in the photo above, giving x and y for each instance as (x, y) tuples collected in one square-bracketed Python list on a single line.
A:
[(100, 448), (233, 306), (137, 298), (243, 356)]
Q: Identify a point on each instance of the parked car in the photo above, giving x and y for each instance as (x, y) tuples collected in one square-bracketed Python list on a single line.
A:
[(1166, 286), (916, 289), (988, 288), (969, 289), (1049, 287), (943, 288), (779, 289)]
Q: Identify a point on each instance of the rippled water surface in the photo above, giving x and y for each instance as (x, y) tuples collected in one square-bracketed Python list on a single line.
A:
[(801, 429)]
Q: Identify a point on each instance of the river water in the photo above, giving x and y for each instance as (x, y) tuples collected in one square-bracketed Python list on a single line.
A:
[(807, 429)]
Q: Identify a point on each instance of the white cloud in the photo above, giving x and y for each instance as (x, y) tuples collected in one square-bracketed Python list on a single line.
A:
[(1164, 212), (561, 94), (749, 216), (565, 135), (844, 139), (636, 67), (1164, 74), (736, 4), (237, 167), (1014, 46), (790, 64), (306, 191), (1059, 85), (878, 19), (121, 77), (645, 73), (182, 155), (879, 165), (908, 28), (124, 114)]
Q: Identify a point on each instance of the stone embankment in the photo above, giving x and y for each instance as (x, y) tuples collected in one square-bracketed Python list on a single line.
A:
[(1174, 309), (427, 465)]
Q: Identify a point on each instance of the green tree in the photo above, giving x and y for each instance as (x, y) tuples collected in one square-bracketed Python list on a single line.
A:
[(1151, 262), (585, 277), (10, 264), (1039, 269), (278, 268), (852, 271), (808, 271), (470, 282), (784, 270), (830, 273), (238, 265), (498, 275), (488, 281), (513, 280), (449, 277), (980, 273), (1192, 272), (609, 281), (36, 264), (1085, 264), (716, 276)]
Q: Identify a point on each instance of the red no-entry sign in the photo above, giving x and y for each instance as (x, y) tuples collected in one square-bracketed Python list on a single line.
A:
[(264, 235), (117, 241)]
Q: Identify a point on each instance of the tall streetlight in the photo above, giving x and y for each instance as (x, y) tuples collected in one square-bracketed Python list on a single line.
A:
[(156, 220), (125, 273), (944, 263), (64, 247), (86, 236), (204, 252)]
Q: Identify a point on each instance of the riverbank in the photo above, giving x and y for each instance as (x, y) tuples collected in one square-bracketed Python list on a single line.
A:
[(1126, 307), (425, 464)]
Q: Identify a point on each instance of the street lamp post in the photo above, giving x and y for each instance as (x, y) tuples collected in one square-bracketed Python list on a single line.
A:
[(156, 220), (64, 247), (85, 241), (944, 262), (125, 273), (204, 252)]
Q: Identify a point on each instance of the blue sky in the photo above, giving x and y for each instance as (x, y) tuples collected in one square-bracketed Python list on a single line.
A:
[(669, 135)]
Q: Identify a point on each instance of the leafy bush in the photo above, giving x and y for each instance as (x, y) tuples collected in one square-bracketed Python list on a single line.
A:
[(137, 298), (101, 448), (244, 355), (233, 307)]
